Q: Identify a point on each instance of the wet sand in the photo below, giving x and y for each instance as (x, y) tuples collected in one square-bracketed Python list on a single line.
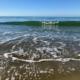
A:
[(52, 70)]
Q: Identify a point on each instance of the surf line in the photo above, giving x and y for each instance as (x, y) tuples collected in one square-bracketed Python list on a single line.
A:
[(9, 55)]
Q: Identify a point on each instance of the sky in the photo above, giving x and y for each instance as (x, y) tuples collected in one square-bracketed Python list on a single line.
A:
[(39, 7)]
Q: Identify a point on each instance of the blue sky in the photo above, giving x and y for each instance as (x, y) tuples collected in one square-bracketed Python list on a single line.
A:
[(39, 7)]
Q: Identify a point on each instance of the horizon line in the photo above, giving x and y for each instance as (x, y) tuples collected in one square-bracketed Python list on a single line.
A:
[(33, 16)]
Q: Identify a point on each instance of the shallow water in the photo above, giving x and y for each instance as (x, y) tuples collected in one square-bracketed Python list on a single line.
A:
[(39, 53)]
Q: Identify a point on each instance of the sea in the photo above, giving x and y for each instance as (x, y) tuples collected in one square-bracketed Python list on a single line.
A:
[(39, 52)]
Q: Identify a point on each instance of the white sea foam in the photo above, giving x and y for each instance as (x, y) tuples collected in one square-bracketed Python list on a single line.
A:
[(41, 71), (5, 33), (7, 55), (35, 40), (56, 50)]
